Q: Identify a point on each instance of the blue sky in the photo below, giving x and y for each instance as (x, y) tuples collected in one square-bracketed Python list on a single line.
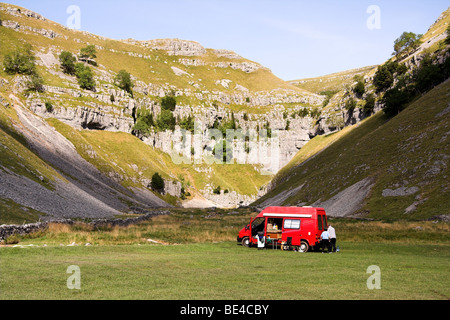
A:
[(294, 38)]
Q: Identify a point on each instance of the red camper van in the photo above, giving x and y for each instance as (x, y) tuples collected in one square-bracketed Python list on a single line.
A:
[(288, 228)]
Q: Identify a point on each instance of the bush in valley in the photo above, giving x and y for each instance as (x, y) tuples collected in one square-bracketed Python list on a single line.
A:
[(165, 121), (385, 75), (350, 105), (123, 81), (223, 151), (396, 99), (226, 125), (383, 79), (48, 106), (369, 105), (406, 44), (328, 94), (360, 88), (187, 124), (304, 112), (35, 83), (83, 73), (67, 61), (157, 183), (21, 61), (424, 78), (429, 74), (217, 190), (316, 113), (88, 54), (144, 122), (169, 103), (391, 70), (288, 125), (85, 76), (268, 130)]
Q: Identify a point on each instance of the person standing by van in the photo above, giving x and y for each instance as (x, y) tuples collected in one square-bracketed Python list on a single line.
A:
[(261, 240), (332, 234), (325, 239)]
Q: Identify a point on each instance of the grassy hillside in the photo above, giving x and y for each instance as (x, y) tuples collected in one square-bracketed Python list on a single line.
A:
[(119, 155), (408, 151), (144, 63), (126, 155), (333, 82), (208, 83)]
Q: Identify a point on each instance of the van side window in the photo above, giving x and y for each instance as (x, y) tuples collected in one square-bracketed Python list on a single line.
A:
[(291, 224), (319, 221), (325, 224)]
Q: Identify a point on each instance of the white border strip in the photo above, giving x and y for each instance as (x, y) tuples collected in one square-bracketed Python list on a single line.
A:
[(287, 215)]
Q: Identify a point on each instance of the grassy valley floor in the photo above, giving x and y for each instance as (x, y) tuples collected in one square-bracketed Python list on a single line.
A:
[(197, 258), (226, 271)]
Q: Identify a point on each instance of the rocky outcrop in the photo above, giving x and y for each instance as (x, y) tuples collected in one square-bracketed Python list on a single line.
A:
[(18, 27), (174, 47), (227, 199), (18, 12), (99, 118), (226, 54)]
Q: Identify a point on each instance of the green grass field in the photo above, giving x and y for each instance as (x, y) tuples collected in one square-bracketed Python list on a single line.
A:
[(226, 271), (201, 261)]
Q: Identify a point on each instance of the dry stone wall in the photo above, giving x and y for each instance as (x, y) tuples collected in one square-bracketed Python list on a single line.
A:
[(9, 230)]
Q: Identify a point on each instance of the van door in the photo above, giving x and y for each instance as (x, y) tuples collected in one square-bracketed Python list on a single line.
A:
[(291, 231)]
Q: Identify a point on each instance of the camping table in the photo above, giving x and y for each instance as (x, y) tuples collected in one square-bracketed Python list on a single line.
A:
[(274, 243)]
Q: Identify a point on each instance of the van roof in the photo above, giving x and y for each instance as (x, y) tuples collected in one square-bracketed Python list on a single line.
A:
[(307, 212)]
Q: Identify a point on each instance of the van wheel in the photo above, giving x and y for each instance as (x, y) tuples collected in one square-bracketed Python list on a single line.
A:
[(246, 242), (304, 247)]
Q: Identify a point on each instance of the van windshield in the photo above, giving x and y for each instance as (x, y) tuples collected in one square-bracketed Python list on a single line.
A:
[(258, 225)]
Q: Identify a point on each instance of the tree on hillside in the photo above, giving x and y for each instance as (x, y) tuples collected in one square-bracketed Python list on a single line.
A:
[(123, 80), (369, 106), (21, 61), (350, 105), (407, 43), (35, 83), (144, 122), (67, 61), (88, 54), (85, 76), (169, 103), (188, 124), (360, 88), (157, 183), (384, 77), (165, 121), (396, 99), (428, 75)]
